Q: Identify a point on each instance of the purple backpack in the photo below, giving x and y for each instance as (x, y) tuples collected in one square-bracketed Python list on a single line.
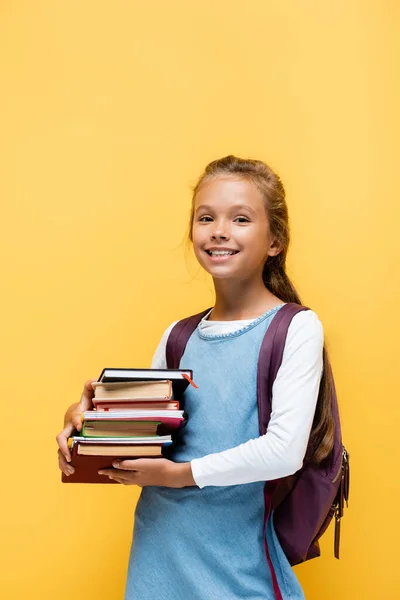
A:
[(304, 503)]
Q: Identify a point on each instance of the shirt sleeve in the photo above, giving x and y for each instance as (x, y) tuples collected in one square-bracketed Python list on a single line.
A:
[(280, 452)]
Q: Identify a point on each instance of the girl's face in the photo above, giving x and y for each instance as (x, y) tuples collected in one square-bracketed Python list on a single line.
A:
[(230, 230)]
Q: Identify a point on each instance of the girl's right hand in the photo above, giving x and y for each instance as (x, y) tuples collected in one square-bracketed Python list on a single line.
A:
[(72, 420)]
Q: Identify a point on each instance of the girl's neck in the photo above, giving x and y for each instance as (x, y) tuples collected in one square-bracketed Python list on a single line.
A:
[(241, 300)]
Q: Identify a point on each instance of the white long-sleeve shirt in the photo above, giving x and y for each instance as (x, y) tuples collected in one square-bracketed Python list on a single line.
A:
[(280, 452)]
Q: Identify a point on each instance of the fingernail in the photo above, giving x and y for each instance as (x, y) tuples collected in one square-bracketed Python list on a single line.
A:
[(116, 463), (71, 470), (67, 458)]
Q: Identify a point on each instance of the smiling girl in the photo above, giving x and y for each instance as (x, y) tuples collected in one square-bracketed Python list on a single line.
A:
[(199, 531)]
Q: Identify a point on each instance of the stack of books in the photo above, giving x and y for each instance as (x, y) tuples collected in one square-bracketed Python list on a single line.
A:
[(135, 412)]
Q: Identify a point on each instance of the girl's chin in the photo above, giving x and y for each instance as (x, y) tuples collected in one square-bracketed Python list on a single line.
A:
[(223, 271)]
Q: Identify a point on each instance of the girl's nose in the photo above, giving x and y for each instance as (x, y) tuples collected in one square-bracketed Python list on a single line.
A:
[(220, 232)]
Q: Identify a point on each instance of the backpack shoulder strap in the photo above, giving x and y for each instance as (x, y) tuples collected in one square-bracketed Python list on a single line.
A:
[(179, 337), (270, 359)]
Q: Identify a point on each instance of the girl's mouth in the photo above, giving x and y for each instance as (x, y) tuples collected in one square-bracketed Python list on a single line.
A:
[(221, 255)]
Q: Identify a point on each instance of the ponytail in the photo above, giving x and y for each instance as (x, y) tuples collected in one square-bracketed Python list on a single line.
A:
[(322, 434)]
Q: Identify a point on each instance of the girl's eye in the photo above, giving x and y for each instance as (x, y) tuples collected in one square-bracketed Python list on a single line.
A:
[(207, 218)]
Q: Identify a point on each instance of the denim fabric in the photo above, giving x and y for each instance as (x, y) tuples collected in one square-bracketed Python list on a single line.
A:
[(207, 544)]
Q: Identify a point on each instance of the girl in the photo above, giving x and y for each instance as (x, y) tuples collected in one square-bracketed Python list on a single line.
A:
[(199, 520)]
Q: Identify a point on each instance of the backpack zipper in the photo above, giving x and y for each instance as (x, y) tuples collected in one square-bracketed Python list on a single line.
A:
[(342, 496), (344, 461)]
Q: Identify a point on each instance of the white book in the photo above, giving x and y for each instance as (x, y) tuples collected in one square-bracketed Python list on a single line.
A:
[(151, 415), (157, 439)]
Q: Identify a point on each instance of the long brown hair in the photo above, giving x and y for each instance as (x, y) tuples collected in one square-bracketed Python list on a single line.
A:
[(276, 279)]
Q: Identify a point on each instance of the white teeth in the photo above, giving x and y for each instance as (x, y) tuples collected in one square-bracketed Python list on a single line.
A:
[(220, 252)]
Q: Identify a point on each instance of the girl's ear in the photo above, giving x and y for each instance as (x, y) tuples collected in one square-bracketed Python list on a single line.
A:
[(275, 248)]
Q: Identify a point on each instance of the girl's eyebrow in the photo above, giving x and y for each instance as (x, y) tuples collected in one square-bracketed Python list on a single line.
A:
[(244, 207), (203, 207), (234, 207)]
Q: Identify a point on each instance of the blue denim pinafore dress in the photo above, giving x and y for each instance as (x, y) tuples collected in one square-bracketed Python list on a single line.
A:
[(208, 544)]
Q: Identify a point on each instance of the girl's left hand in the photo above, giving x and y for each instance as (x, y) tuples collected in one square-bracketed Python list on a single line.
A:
[(151, 471)]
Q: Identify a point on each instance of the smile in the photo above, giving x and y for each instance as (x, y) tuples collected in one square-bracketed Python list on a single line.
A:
[(221, 252), (221, 255)]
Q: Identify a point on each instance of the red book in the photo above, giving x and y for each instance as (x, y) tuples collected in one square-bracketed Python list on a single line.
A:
[(87, 467), (135, 405)]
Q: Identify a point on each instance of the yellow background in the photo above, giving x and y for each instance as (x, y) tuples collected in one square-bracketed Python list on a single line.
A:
[(108, 113)]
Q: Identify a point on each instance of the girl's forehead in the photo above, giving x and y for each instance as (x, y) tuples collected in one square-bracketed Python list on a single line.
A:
[(227, 189)]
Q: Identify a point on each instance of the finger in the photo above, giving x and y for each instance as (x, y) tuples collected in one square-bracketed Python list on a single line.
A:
[(76, 418), (128, 465), (124, 481), (113, 474), (129, 481), (64, 466), (85, 403), (87, 395), (62, 441)]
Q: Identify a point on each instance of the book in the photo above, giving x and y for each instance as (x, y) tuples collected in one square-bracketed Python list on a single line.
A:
[(115, 405), (180, 378), (119, 428), (130, 390), (161, 439), (87, 467), (135, 411), (170, 418), (114, 446), (109, 450), (155, 415)]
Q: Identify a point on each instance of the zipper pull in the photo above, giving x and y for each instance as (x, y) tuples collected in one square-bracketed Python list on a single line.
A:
[(337, 534), (346, 486), (190, 381)]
